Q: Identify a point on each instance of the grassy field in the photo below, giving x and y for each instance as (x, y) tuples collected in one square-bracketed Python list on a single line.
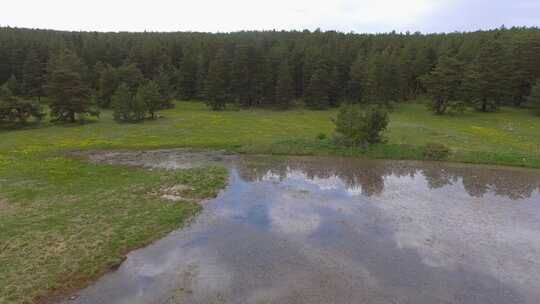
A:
[(64, 222)]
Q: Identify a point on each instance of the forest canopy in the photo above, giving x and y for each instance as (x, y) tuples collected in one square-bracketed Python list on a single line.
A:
[(271, 68)]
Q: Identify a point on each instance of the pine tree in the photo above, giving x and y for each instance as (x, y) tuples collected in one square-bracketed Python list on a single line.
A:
[(139, 106), (216, 88), (241, 77), (334, 88), (284, 86), (443, 84), (349, 126), (187, 75), (149, 95), (69, 95), (534, 97), (485, 80), (131, 75), (317, 91), (122, 103), (14, 109), (377, 86), (107, 86), (163, 80), (354, 92), (33, 75)]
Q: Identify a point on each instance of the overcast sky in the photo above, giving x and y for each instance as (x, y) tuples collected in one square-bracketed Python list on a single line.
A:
[(232, 15)]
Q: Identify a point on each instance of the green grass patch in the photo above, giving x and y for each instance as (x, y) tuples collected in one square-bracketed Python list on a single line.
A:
[(66, 222)]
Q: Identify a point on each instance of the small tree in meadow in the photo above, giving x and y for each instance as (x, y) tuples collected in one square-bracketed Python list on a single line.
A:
[(376, 121), (148, 98), (355, 127), (443, 83), (349, 126), (122, 103), (14, 109)]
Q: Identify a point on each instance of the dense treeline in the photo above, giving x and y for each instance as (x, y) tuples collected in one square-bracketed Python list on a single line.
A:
[(484, 69)]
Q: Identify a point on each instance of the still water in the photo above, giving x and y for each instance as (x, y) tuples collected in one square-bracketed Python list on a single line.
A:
[(340, 230)]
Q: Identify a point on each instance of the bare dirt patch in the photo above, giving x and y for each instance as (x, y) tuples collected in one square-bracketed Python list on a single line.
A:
[(3, 204)]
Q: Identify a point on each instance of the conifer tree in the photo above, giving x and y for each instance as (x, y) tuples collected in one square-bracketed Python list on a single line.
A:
[(317, 91), (164, 82), (241, 76), (443, 84), (122, 103), (284, 86), (107, 85), (187, 75), (357, 76), (69, 95), (33, 75), (216, 88), (485, 80), (131, 75), (148, 94), (14, 109), (333, 88)]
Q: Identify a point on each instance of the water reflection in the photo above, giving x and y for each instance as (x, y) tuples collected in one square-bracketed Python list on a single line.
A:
[(368, 176), (335, 230)]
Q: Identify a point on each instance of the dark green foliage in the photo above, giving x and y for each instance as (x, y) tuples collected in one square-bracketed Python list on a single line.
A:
[(500, 66), (33, 75), (357, 77), (242, 76), (435, 151), (217, 86), (13, 109), (355, 127), (376, 120), (163, 80), (110, 78), (69, 95), (134, 107), (321, 136), (485, 80), (350, 127), (524, 66), (284, 87), (13, 85), (130, 75), (122, 104), (149, 95), (107, 85), (443, 83), (187, 75), (317, 91), (534, 97)]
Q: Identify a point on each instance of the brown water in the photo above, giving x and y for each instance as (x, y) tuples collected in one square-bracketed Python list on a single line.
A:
[(338, 230)]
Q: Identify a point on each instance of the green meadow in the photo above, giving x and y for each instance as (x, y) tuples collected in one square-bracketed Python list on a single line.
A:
[(64, 222)]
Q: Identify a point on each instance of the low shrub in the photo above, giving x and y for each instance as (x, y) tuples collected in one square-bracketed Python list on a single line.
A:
[(356, 127), (436, 151), (321, 136)]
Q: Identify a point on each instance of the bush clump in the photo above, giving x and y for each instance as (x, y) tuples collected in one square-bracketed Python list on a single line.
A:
[(436, 151), (131, 107), (321, 136), (355, 127), (14, 109)]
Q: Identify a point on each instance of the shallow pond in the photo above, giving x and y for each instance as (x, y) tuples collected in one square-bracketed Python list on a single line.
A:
[(340, 230)]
